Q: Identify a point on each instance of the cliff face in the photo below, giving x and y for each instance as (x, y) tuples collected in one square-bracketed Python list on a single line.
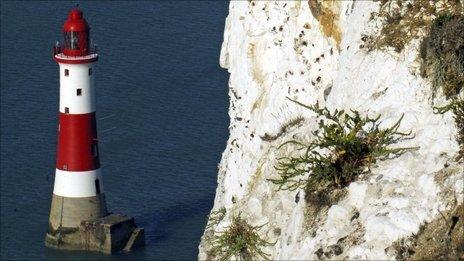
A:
[(317, 52)]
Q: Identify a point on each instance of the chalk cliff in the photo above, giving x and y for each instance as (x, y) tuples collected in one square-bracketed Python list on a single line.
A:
[(323, 52)]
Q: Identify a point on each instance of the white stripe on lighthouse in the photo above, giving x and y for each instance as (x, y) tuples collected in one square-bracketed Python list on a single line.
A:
[(77, 184), (78, 78)]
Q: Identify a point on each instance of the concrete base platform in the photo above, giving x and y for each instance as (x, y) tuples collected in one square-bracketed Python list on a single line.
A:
[(69, 212), (108, 234)]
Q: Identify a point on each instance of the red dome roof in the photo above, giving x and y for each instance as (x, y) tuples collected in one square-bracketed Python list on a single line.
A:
[(75, 22)]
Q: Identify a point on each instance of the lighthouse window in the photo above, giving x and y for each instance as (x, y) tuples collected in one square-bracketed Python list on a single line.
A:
[(66, 110), (66, 72), (97, 186), (79, 92), (71, 40), (90, 71)]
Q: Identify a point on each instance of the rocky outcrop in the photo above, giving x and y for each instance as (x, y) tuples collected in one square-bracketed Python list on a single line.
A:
[(316, 52)]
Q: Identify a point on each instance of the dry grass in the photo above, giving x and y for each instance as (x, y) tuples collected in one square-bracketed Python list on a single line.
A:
[(441, 239), (404, 20), (442, 53), (215, 217)]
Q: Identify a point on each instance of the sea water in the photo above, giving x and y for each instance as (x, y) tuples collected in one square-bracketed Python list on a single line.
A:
[(161, 115)]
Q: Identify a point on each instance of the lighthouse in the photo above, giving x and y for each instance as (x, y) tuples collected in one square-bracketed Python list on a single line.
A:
[(78, 191), (78, 216)]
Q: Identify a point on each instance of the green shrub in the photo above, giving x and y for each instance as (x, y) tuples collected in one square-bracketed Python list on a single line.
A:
[(457, 107), (345, 146), (239, 240)]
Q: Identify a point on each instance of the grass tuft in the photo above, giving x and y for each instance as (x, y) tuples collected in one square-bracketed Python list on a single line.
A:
[(442, 53), (239, 240), (345, 146), (457, 107), (403, 21), (215, 217)]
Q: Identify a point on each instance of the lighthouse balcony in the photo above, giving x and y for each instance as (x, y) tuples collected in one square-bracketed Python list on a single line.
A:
[(61, 58), (90, 56)]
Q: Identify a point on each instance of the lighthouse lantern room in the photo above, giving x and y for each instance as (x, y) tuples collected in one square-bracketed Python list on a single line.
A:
[(78, 199)]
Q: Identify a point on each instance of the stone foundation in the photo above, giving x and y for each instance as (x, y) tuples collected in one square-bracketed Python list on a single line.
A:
[(69, 212), (108, 234)]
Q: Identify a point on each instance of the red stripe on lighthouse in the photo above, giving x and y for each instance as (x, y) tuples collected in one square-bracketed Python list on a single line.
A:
[(77, 143)]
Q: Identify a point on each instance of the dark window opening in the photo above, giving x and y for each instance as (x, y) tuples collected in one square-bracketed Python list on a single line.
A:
[(65, 167), (90, 71), (95, 149), (97, 186), (66, 110), (79, 92), (66, 72)]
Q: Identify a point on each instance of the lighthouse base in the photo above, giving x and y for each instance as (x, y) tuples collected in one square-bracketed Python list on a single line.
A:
[(108, 234)]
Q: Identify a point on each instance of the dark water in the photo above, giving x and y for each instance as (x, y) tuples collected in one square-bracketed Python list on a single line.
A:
[(161, 114)]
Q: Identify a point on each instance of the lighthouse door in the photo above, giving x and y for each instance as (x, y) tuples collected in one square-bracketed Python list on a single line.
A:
[(97, 186)]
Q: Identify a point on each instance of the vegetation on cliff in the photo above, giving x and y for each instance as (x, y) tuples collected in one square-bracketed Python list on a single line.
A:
[(457, 107), (442, 53), (441, 239), (239, 240), (345, 146), (402, 21)]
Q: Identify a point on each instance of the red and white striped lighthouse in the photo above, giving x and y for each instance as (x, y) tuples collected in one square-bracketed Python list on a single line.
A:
[(78, 191), (78, 215)]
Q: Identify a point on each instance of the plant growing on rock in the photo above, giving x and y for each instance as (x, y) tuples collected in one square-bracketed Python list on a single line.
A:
[(440, 239), (442, 53), (345, 146), (457, 107), (404, 20), (215, 217), (239, 240)]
